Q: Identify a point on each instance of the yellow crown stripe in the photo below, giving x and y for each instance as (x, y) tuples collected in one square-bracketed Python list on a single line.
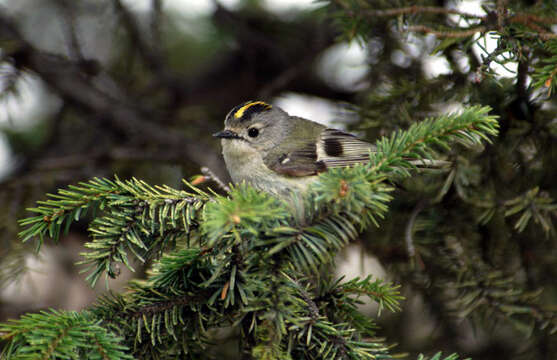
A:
[(238, 114)]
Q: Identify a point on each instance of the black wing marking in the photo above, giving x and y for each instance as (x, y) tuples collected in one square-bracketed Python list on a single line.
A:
[(334, 148), (337, 148)]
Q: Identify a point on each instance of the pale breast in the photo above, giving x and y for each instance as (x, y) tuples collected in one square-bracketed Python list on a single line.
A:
[(246, 164)]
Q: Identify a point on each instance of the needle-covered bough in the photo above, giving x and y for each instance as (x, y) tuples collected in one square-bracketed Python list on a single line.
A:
[(243, 260)]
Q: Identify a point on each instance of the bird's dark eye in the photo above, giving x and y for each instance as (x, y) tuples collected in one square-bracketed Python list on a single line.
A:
[(253, 132)]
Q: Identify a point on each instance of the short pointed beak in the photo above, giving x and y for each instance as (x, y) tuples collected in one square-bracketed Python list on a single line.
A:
[(227, 134)]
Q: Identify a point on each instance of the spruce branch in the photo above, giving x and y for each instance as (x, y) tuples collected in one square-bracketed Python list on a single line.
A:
[(532, 205), (439, 356), (58, 334), (470, 127), (472, 289), (335, 332), (360, 193), (251, 262), (446, 33), (346, 201), (173, 302), (340, 299), (139, 218), (496, 20), (482, 292), (386, 295), (545, 74), (418, 10), (243, 211), (266, 272)]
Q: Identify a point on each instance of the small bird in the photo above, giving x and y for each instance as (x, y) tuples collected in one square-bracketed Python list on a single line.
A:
[(279, 153)]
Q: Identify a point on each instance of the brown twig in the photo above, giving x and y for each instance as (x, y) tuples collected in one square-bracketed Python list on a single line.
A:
[(70, 31), (412, 10), (501, 15), (211, 175), (408, 233), (447, 34), (531, 22), (539, 19), (145, 50), (501, 12), (65, 78), (156, 18)]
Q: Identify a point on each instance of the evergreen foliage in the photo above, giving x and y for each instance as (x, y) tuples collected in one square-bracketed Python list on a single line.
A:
[(243, 260), (137, 217), (474, 242), (61, 335)]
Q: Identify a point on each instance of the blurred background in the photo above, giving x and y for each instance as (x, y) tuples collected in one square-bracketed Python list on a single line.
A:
[(94, 88)]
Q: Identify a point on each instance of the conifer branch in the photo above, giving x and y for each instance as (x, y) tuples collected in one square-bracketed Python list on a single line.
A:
[(490, 292), (251, 258), (439, 355), (545, 75), (445, 33), (58, 334), (360, 193), (470, 128), (480, 292), (493, 21), (139, 218), (262, 266), (385, 294), (420, 10)]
